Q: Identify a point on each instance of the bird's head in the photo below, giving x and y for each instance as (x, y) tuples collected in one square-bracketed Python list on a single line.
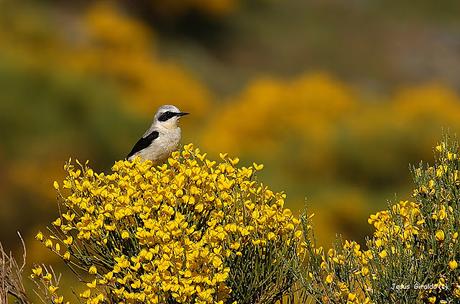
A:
[(168, 117)]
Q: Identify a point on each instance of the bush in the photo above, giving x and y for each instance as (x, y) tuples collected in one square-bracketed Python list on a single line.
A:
[(413, 254), (189, 231), (197, 231)]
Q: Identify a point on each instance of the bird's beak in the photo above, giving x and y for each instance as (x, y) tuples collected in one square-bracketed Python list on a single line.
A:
[(182, 114)]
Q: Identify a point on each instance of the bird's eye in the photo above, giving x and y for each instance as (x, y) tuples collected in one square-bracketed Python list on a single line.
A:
[(166, 116)]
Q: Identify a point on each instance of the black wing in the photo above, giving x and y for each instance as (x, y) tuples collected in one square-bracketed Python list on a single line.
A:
[(143, 143)]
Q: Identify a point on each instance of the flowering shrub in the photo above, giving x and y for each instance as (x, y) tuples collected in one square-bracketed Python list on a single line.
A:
[(104, 52), (190, 231), (335, 129), (413, 254), (310, 107), (125, 60), (347, 143)]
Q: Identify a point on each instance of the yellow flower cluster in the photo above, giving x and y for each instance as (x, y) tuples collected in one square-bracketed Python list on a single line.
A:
[(413, 253), (348, 274), (328, 280), (48, 283), (404, 222), (156, 234)]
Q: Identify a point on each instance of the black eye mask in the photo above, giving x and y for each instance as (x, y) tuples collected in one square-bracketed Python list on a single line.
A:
[(167, 115)]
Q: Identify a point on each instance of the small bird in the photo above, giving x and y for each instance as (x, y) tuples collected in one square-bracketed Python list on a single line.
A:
[(162, 138)]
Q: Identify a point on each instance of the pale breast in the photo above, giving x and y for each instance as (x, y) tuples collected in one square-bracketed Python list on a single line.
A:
[(163, 146)]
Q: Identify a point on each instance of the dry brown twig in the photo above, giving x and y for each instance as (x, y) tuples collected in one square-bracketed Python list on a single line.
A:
[(11, 284)]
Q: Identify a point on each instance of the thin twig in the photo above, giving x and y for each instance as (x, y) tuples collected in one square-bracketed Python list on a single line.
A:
[(11, 282)]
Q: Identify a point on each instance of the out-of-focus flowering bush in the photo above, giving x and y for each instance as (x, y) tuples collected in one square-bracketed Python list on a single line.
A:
[(125, 55), (413, 254), (107, 45), (388, 134), (321, 134), (189, 231), (334, 130), (278, 115)]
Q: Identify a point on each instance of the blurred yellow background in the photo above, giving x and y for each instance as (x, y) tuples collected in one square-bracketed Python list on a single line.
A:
[(336, 98)]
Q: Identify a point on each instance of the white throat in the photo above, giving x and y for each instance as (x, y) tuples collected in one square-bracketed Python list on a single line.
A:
[(170, 124)]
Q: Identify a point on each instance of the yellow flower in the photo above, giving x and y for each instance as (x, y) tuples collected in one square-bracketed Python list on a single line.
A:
[(39, 236), (440, 235), (37, 271), (57, 222), (383, 254), (92, 270), (199, 207), (351, 296), (441, 147), (68, 240), (453, 264), (258, 167), (457, 291), (329, 279), (92, 284), (52, 288), (49, 243), (298, 234), (271, 236), (86, 294)]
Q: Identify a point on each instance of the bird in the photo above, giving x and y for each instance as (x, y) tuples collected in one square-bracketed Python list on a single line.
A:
[(162, 138)]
